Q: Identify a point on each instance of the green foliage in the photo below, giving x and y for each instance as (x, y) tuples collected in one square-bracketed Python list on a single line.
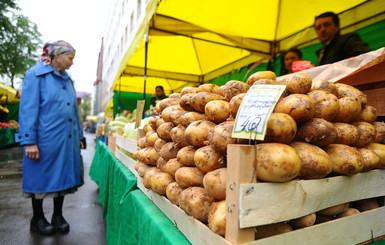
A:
[(85, 107), (19, 41)]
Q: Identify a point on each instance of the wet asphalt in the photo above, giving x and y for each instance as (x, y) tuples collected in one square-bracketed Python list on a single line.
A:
[(81, 209)]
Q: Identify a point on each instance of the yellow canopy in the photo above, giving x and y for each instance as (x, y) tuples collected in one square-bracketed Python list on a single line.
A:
[(195, 41)]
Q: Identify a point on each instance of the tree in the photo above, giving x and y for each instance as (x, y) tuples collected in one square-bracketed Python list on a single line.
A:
[(19, 41)]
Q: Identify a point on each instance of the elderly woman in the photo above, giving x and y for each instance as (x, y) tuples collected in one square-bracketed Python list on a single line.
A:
[(51, 134)]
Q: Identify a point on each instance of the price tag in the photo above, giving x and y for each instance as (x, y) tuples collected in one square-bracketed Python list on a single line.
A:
[(255, 110), (139, 112)]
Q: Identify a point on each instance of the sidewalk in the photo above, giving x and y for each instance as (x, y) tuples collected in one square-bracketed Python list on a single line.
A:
[(81, 209)]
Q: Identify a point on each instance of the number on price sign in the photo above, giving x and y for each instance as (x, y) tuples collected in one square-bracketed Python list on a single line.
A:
[(255, 110)]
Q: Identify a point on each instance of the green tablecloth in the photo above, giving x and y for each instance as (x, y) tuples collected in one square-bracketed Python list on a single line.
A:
[(131, 218), (7, 136)]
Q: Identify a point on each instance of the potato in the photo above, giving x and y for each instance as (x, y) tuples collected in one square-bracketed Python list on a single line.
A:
[(166, 113), (315, 162), (304, 221), (159, 143), (350, 109), (160, 181), (152, 122), (317, 131), (199, 100), (217, 111), (334, 210), (347, 134), (207, 87), (215, 183), (164, 131), (379, 149), (233, 88), (325, 86), (348, 212), (185, 156), (152, 156), (235, 102), (366, 204), (281, 128), (142, 142), (163, 104), (147, 127), (298, 83), (261, 75), (366, 134), (299, 106), (177, 135), (380, 132), (192, 116), (173, 191), (196, 132), (371, 159), (185, 102), (264, 231), (207, 159), (220, 136), (195, 201), (189, 176), (263, 81), (143, 155), (152, 138), (147, 176), (221, 91), (326, 104), (159, 122), (174, 95), (170, 166), (141, 168), (345, 90), (346, 160), (368, 114), (277, 162), (217, 217), (169, 150), (187, 90)]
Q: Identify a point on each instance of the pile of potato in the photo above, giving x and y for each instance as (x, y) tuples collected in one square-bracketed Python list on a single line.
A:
[(317, 129)]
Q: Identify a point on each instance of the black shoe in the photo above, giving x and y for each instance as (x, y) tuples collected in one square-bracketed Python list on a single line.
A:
[(41, 226), (60, 224)]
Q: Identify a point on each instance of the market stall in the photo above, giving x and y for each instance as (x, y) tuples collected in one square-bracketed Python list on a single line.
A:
[(9, 109)]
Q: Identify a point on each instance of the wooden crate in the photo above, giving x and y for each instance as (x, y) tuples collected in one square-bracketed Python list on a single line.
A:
[(251, 204), (112, 142)]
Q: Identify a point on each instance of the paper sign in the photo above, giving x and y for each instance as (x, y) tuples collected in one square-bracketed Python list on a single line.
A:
[(139, 112), (255, 110)]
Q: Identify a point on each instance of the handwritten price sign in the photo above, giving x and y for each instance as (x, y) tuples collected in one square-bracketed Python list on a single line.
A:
[(255, 110)]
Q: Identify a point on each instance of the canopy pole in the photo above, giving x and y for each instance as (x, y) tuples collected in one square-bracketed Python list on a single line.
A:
[(145, 69)]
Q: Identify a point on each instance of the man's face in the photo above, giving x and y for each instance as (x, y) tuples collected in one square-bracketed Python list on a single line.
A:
[(325, 28), (159, 92)]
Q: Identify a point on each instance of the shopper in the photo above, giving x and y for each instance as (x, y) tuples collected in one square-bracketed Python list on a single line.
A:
[(51, 134), (159, 95), (288, 59), (336, 47)]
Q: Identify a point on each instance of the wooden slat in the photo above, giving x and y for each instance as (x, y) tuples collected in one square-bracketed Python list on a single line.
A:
[(127, 161), (376, 99), (265, 203), (348, 230), (240, 169), (126, 144)]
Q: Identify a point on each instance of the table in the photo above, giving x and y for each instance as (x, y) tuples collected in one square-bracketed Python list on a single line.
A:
[(7, 136), (131, 218)]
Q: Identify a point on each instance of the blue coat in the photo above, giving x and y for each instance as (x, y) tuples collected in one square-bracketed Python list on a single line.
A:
[(49, 117)]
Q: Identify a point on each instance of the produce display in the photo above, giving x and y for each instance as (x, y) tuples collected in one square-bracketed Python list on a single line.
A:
[(318, 129)]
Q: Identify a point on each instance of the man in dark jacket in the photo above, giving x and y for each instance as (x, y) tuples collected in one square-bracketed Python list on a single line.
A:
[(159, 95), (336, 47)]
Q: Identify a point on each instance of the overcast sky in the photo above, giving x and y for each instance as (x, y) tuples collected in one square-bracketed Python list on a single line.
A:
[(79, 22)]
